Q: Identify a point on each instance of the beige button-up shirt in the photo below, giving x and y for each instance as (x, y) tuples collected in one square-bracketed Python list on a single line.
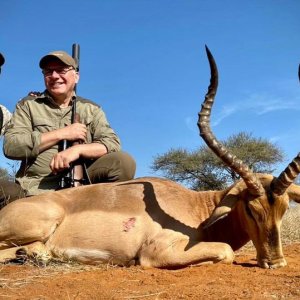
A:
[(36, 115)]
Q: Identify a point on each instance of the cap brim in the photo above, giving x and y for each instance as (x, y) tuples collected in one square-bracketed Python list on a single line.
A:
[(59, 56), (47, 58)]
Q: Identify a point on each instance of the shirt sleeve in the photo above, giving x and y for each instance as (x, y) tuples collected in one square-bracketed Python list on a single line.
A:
[(103, 133), (20, 141)]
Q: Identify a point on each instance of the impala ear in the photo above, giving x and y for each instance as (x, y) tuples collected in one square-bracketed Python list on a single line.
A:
[(294, 192), (222, 210)]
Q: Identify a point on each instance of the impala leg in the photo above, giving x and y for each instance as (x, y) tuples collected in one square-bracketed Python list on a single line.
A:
[(36, 249), (164, 254), (25, 222), (9, 254)]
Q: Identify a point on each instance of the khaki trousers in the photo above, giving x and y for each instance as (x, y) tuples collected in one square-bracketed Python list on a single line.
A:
[(111, 167)]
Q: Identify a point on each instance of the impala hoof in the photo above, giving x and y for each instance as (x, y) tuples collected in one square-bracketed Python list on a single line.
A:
[(274, 264)]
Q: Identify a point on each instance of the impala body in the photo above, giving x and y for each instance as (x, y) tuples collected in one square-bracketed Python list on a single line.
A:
[(155, 222)]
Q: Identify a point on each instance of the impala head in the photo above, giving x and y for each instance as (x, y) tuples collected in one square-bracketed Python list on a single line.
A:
[(262, 217), (258, 201)]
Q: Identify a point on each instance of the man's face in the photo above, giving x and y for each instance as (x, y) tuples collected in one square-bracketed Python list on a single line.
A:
[(60, 79)]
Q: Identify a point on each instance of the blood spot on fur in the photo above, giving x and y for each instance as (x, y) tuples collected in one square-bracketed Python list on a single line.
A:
[(128, 224)]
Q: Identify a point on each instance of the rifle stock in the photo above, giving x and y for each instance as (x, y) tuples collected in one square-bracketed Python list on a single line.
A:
[(77, 168)]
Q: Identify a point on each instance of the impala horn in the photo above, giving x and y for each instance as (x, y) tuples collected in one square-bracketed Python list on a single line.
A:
[(287, 177), (253, 184)]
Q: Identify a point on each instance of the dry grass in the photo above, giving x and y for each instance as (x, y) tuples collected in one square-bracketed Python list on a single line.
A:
[(290, 231), (54, 268)]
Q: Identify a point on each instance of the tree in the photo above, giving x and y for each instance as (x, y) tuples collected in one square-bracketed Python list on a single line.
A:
[(202, 170), (4, 174), (10, 173)]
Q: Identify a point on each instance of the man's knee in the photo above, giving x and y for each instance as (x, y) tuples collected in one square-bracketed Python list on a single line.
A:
[(127, 166), (114, 166)]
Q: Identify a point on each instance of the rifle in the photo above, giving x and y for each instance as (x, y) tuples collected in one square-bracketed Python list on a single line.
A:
[(75, 174)]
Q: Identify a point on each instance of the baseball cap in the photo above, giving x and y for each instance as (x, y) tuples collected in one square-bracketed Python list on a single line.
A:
[(62, 56)]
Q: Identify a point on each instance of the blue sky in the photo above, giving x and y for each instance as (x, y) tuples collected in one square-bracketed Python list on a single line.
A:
[(144, 62)]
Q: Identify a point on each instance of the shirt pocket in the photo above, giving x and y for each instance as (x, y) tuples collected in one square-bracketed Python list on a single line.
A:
[(44, 125)]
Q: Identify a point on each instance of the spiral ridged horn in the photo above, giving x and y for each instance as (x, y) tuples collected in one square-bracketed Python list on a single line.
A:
[(253, 184), (286, 178)]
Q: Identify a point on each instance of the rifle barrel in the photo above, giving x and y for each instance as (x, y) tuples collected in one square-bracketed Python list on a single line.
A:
[(68, 178), (76, 55)]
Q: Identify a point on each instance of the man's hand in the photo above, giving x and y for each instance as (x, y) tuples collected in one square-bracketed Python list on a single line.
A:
[(74, 132), (63, 159)]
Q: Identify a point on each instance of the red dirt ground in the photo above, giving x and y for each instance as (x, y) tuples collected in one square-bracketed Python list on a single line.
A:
[(242, 280)]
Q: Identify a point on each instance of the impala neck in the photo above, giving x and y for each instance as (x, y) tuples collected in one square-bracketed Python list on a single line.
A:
[(228, 230)]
